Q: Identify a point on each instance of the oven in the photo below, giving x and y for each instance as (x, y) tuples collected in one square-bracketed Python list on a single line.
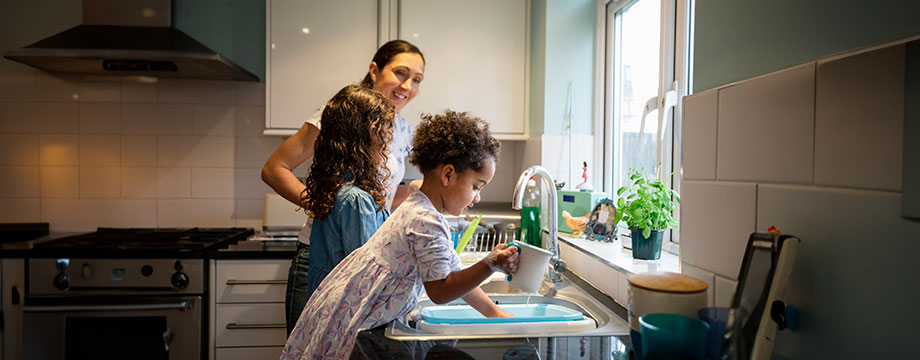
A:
[(113, 309), (120, 294)]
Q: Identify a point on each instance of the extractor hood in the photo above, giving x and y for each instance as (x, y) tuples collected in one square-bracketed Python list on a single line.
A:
[(128, 38)]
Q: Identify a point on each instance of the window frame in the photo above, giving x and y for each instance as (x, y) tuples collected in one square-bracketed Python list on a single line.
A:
[(675, 53)]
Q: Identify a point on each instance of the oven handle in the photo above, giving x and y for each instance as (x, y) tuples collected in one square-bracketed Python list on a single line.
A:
[(182, 305), (235, 326), (256, 282)]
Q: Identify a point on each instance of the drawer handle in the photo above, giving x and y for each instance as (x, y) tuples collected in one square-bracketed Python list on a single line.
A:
[(235, 326), (256, 282)]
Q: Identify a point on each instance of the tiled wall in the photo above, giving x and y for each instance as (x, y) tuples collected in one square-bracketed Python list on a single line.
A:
[(81, 152), (814, 150), (86, 151)]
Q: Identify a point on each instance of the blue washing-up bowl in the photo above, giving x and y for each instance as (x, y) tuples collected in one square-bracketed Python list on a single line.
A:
[(672, 336), (465, 314)]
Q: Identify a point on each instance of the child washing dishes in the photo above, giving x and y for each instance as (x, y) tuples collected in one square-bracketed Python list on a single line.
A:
[(345, 193), (412, 252)]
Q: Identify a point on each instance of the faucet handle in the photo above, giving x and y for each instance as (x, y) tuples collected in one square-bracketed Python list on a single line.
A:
[(559, 265)]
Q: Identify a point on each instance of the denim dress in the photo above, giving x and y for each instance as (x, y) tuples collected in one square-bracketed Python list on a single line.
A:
[(350, 223)]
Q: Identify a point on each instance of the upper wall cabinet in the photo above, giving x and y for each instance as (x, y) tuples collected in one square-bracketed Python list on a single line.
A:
[(476, 54), (475, 51), (315, 47)]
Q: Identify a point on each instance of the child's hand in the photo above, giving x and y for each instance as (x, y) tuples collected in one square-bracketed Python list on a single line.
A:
[(503, 259)]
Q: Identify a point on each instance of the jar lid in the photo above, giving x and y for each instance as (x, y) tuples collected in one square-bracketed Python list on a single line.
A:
[(668, 282)]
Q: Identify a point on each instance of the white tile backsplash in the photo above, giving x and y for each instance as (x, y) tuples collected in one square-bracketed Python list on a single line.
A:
[(250, 94), (253, 151), (212, 183), (705, 276), (196, 212), (138, 150), (766, 128), (187, 91), (138, 182), (57, 118), (60, 182), (247, 184), (100, 182), (57, 87), (174, 182), (17, 86), (59, 150), (18, 149), (100, 150), (724, 291), (250, 121), (716, 220), (138, 119), (20, 210), (17, 117), (97, 88), (859, 120), (174, 119), (138, 89), (249, 213), (215, 151), (699, 135), (100, 118), (88, 214), (19, 182), (213, 120)]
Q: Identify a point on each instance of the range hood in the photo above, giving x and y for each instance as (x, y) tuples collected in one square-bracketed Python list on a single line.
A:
[(128, 38)]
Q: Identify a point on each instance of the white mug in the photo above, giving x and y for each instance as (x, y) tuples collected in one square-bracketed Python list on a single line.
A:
[(533, 264)]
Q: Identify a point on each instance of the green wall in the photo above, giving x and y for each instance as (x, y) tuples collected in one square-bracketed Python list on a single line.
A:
[(562, 52), (739, 39), (233, 28)]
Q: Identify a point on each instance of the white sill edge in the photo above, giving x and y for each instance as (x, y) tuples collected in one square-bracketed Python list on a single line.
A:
[(619, 258)]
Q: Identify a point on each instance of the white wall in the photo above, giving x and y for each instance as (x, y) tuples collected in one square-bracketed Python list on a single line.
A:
[(814, 150)]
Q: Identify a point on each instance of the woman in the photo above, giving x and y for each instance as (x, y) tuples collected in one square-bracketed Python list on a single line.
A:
[(396, 71)]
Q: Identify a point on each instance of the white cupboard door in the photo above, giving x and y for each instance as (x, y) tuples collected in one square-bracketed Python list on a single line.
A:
[(476, 59), (315, 47)]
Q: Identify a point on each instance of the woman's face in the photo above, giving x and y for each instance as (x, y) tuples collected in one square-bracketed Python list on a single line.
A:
[(398, 81), (463, 191)]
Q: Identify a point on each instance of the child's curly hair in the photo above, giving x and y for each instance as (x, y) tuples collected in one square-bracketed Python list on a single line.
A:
[(357, 127), (455, 138)]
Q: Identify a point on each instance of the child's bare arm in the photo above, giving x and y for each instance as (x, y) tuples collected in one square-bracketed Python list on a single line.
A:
[(461, 282), (481, 302)]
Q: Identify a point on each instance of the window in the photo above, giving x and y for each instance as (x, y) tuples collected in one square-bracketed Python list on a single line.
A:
[(646, 71)]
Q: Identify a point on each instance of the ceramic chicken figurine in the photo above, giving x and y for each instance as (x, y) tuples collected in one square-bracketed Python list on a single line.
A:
[(575, 223)]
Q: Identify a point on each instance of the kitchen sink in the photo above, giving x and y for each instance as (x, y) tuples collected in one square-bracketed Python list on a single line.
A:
[(565, 294)]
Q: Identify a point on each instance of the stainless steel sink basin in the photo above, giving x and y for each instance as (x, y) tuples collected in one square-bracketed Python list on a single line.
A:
[(564, 294)]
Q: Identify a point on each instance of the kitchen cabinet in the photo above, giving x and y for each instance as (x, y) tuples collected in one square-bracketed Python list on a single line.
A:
[(314, 48), (476, 56), (247, 308)]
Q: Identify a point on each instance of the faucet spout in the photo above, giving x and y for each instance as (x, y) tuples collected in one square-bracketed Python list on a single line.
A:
[(557, 265)]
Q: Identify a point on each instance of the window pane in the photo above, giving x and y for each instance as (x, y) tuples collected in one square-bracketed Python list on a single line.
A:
[(637, 63)]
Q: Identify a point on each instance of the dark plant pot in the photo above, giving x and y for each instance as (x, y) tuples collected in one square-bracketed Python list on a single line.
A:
[(646, 248)]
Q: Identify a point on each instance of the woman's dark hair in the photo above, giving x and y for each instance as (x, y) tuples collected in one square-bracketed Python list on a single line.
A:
[(386, 53), (455, 138), (352, 146)]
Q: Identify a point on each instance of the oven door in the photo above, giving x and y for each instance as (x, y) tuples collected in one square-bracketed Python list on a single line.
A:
[(164, 328)]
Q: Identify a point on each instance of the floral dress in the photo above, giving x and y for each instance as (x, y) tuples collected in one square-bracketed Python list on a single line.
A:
[(377, 283)]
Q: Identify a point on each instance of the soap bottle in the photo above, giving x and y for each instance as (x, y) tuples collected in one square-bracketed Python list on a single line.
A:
[(530, 215)]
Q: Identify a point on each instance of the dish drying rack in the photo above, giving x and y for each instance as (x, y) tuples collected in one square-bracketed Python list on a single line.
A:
[(492, 230)]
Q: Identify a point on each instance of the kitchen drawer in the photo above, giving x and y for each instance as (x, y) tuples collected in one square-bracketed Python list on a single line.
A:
[(249, 353), (247, 281), (250, 325)]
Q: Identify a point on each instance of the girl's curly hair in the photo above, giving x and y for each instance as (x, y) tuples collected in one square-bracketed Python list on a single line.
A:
[(455, 138), (352, 147)]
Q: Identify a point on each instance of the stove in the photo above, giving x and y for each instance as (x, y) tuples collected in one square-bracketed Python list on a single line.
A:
[(121, 290)]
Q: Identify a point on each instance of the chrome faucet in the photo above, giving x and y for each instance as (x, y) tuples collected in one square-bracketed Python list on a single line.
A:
[(557, 265)]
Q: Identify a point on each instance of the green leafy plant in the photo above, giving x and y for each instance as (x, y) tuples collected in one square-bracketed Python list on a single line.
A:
[(646, 203)]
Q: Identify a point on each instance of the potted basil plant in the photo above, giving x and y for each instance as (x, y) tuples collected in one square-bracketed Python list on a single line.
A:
[(646, 205)]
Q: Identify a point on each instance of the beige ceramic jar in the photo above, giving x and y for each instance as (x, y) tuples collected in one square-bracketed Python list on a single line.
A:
[(664, 292)]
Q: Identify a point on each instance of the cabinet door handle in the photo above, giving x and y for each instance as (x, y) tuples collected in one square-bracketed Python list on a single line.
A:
[(235, 326), (256, 282)]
